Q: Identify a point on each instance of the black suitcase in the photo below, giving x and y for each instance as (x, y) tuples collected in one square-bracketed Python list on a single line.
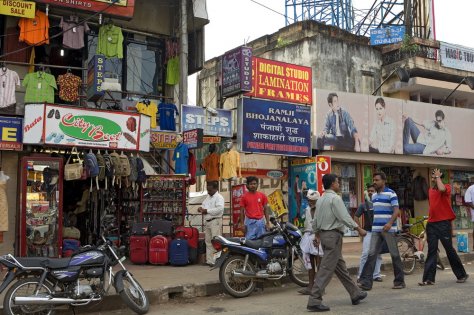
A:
[(141, 228), (161, 227)]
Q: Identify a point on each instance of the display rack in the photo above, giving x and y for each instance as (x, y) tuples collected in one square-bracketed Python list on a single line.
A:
[(460, 182), (164, 197)]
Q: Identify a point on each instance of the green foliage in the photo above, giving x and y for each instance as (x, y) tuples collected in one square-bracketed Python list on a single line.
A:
[(407, 45)]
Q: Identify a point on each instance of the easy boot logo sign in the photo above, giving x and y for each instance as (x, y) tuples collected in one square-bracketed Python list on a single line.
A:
[(90, 128)]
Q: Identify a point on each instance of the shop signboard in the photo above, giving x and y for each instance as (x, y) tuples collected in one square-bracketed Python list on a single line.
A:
[(11, 133), (118, 8), (281, 81), (25, 9), (237, 192), (63, 125), (263, 173), (302, 177), (95, 77), (387, 35), (163, 140), (218, 124), (210, 139), (456, 56), (277, 128), (144, 133), (237, 71), (193, 138), (323, 167), (275, 201)]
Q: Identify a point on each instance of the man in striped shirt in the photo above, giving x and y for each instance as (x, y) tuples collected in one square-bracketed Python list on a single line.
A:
[(384, 227)]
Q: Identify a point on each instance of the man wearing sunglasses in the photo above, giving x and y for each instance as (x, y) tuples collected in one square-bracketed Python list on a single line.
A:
[(435, 139)]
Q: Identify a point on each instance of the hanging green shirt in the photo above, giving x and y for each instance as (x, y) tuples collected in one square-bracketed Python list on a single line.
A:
[(172, 71), (40, 87), (110, 42)]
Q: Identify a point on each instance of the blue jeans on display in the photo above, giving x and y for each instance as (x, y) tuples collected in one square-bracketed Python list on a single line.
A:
[(365, 254), (254, 228), (410, 130)]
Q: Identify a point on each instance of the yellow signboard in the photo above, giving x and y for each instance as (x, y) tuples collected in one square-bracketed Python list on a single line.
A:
[(20, 8), (275, 201), (163, 140)]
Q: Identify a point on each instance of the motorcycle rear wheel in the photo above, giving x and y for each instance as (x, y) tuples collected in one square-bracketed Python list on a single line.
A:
[(134, 296), (298, 272), (26, 287), (237, 287)]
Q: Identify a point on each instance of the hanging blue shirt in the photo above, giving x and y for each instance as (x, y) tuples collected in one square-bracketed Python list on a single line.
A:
[(180, 156), (167, 116)]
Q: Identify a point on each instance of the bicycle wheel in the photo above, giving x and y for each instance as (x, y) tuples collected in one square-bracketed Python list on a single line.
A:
[(407, 255)]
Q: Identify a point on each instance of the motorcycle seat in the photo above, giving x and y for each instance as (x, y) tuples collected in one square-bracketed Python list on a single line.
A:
[(255, 244), (237, 240), (53, 263)]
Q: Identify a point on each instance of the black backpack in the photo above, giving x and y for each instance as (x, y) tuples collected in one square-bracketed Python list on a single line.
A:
[(141, 175)]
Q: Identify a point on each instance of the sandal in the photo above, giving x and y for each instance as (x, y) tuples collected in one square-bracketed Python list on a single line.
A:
[(422, 284)]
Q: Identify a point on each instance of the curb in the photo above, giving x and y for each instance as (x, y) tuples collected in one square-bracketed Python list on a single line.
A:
[(194, 290)]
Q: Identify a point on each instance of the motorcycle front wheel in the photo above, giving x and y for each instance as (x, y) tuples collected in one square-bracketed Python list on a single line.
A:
[(134, 296), (237, 287), (298, 272), (24, 288)]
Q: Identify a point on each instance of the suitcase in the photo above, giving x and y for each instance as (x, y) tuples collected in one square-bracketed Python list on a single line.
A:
[(139, 249), (191, 234), (158, 250), (178, 252), (140, 228), (161, 227)]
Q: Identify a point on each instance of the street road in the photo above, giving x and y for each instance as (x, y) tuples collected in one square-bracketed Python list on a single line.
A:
[(445, 297)]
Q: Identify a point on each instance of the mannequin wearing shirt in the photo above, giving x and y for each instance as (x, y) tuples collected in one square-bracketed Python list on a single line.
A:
[(229, 163), (3, 202), (211, 164), (181, 156)]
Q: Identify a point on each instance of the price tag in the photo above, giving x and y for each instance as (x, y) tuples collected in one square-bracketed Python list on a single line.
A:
[(39, 85), (74, 30)]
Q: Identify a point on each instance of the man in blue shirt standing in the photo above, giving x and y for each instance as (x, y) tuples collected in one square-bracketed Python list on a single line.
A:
[(384, 227)]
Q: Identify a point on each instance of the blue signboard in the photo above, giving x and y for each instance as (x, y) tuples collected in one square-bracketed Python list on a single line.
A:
[(387, 35), (11, 133), (218, 123), (274, 127)]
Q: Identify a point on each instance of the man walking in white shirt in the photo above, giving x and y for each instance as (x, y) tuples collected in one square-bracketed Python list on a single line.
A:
[(469, 200), (212, 208)]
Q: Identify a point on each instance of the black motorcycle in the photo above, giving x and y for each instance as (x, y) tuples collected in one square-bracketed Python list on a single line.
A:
[(42, 284), (273, 256)]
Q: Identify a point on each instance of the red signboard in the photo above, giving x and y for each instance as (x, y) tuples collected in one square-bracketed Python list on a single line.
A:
[(323, 166), (193, 138), (122, 8), (210, 139), (237, 192), (281, 81)]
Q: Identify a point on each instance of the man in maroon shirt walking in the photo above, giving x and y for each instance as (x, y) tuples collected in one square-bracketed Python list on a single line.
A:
[(439, 229)]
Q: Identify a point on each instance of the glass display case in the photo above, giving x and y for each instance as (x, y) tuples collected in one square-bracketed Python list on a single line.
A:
[(41, 207)]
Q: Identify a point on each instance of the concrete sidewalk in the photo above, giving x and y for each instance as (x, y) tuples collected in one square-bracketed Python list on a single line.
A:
[(167, 282)]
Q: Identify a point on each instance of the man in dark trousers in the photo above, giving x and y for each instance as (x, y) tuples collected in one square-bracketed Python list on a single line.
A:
[(439, 229), (329, 223), (384, 227)]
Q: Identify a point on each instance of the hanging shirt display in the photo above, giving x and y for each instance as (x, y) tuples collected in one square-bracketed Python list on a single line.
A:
[(181, 156), (40, 87), (73, 36), (172, 71), (69, 87), (110, 43), (230, 162), (211, 166), (149, 110), (34, 31), (8, 80), (167, 116)]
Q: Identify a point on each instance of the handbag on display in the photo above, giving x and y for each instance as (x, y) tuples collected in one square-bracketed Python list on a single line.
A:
[(73, 171), (111, 83)]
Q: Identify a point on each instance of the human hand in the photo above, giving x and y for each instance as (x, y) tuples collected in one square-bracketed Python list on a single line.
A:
[(268, 226), (362, 232), (316, 241), (387, 227), (437, 173), (200, 209)]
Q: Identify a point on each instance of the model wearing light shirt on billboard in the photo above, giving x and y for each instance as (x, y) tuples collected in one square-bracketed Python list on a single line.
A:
[(382, 136)]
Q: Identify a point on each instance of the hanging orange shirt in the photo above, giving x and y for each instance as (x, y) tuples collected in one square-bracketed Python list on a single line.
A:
[(211, 166), (34, 31)]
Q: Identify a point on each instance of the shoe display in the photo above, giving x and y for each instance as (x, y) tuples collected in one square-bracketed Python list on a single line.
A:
[(462, 280), (56, 115), (51, 113), (318, 308), (362, 295)]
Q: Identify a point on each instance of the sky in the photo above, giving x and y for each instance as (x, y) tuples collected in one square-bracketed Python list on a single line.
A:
[(236, 22)]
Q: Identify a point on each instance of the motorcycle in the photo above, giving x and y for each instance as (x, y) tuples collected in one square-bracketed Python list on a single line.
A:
[(42, 284), (276, 254)]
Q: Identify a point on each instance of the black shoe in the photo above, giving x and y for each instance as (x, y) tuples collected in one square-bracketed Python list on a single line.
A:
[(51, 113), (57, 116), (363, 287), (463, 279), (318, 308), (399, 286), (362, 295), (378, 279)]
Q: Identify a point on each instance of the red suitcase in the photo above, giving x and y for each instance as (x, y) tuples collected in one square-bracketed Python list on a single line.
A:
[(158, 250), (139, 249), (191, 234)]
